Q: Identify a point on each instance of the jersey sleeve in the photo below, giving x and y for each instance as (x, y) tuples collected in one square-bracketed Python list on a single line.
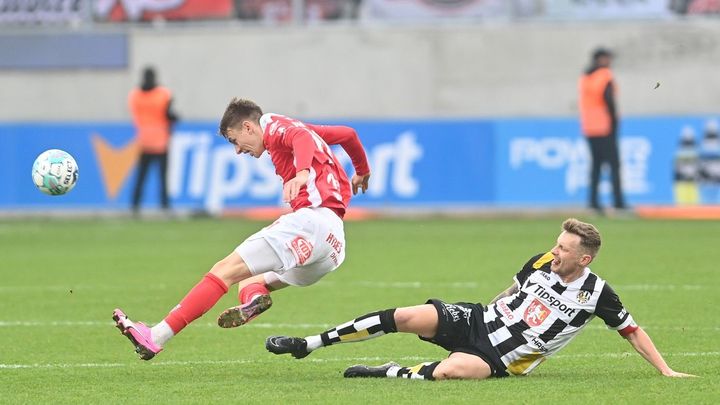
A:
[(348, 139), (611, 311), (537, 262), (298, 138), (303, 146)]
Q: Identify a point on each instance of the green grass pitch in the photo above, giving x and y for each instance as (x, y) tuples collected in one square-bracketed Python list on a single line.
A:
[(61, 279)]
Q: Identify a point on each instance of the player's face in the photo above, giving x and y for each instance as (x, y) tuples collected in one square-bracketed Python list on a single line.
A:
[(247, 138), (569, 258)]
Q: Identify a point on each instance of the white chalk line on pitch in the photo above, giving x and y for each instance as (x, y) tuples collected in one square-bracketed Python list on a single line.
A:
[(318, 326), (258, 325), (328, 360), (474, 285), (366, 284), (72, 288)]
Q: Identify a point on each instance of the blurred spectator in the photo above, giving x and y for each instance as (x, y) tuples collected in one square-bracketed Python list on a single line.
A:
[(704, 7), (686, 169), (151, 110), (710, 164), (679, 6), (599, 122), (695, 6)]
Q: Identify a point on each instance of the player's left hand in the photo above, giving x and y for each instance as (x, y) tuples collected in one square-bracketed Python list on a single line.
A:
[(359, 183), (291, 189), (672, 373)]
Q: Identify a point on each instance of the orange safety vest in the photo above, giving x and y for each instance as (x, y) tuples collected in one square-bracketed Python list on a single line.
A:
[(149, 113), (595, 118)]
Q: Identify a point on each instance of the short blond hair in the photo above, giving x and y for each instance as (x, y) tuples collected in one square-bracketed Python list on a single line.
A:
[(588, 233)]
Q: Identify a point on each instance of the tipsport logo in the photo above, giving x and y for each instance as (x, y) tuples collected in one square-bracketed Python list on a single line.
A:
[(114, 163), (198, 170), (203, 169)]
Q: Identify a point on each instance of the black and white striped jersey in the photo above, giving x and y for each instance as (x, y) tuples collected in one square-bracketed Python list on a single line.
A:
[(546, 314)]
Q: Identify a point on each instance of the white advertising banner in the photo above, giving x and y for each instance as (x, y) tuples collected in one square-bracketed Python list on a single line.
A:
[(607, 9), (435, 9), (510, 9)]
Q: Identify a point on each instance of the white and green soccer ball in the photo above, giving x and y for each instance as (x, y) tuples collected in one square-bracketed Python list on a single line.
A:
[(55, 172)]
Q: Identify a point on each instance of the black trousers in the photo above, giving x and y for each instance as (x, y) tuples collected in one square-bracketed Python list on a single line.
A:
[(604, 149), (146, 159)]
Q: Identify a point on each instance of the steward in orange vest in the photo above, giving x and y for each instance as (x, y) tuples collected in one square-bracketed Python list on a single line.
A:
[(151, 109), (599, 124)]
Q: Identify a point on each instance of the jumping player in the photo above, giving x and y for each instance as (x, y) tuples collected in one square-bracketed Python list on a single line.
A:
[(298, 249), (555, 295)]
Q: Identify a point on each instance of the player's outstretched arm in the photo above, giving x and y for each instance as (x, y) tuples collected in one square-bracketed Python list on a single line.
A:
[(513, 289), (645, 346)]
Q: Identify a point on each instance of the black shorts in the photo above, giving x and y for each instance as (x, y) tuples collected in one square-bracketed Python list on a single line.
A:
[(461, 329)]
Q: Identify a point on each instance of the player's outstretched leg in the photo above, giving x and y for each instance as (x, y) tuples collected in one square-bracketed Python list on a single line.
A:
[(149, 341), (255, 299), (361, 370), (365, 327), (138, 334), (423, 371), (295, 346)]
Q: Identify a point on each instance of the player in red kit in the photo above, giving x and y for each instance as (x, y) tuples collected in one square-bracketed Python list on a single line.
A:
[(298, 249)]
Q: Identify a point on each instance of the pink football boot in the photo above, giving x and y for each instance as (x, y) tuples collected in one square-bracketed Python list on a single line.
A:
[(138, 333), (242, 314)]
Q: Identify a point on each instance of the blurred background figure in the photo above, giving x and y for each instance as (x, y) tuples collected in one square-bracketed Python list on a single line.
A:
[(599, 124), (153, 117), (686, 169), (710, 164)]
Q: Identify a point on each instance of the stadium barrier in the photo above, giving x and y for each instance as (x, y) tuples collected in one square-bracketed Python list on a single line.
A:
[(416, 164)]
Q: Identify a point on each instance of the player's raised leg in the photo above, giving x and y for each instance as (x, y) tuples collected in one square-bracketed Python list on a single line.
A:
[(203, 296), (254, 292), (254, 297)]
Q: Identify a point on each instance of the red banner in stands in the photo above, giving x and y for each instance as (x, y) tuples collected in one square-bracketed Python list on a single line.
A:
[(148, 10)]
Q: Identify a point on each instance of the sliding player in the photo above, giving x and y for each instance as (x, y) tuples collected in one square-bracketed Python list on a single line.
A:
[(554, 296)]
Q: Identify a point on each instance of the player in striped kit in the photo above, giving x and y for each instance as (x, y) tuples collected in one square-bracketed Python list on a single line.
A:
[(298, 249), (554, 296)]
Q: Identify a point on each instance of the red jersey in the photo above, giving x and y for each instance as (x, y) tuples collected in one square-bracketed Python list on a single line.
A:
[(295, 146)]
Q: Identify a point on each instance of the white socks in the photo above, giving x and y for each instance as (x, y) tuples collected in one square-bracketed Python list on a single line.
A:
[(393, 371), (161, 333), (313, 342)]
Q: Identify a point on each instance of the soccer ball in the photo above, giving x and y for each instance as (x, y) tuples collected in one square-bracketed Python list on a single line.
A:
[(55, 172)]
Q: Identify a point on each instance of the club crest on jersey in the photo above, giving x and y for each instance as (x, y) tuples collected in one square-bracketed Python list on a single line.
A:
[(302, 249), (536, 313), (583, 297)]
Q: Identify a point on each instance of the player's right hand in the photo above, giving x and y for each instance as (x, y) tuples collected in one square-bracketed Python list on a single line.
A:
[(291, 189), (359, 182)]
